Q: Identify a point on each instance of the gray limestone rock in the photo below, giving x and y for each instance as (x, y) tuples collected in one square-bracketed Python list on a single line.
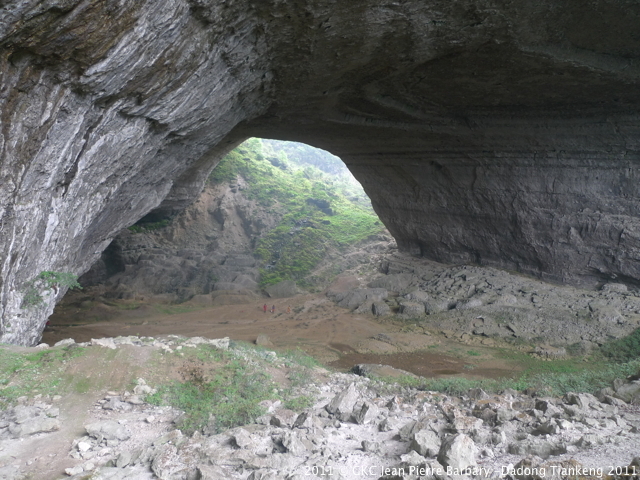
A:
[(628, 392), (432, 307), (343, 403), (293, 444), (426, 442), (366, 414), (354, 298), (35, 425), (263, 340), (213, 472), (538, 447), (380, 309), (284, 289), (458, 451), (412, 309), (109, 430)]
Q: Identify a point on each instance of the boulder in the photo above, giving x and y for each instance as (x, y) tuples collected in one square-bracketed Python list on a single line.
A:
[(104, 342), (468, 304), (412, 309), (263, 340), (366, 414), (431, 307), (109, 430), (629, 392), (35, 425), (284, 289), (354, 298), (380, 309), (426, 442), (343, 403), (458, 452)]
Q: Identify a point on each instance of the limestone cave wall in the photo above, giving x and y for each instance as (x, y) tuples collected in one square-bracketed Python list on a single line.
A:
[(487, 132)]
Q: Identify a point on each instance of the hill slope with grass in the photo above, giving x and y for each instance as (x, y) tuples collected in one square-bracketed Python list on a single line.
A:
[(319, 213)]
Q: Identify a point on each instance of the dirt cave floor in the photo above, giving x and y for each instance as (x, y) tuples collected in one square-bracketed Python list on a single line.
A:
[(333, 335)]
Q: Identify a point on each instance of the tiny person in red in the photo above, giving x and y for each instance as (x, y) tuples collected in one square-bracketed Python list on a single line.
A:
[(264, 308)]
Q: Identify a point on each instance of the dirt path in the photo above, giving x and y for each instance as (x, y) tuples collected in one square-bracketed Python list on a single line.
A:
[(332, 334), (313, 321)]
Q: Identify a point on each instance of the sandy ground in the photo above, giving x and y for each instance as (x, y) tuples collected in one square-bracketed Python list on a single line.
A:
[(332, 334)]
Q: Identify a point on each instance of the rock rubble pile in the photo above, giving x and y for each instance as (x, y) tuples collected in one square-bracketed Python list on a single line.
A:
[(486, 303), (359, 427)]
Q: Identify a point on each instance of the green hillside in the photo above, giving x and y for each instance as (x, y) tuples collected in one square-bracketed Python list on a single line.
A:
[(320, 211)]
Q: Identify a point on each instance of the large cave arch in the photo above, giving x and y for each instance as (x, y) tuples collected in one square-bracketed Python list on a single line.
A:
[(501, 134)]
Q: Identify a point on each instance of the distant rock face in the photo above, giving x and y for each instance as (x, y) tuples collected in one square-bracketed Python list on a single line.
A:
[(204, 254), (505, 135)]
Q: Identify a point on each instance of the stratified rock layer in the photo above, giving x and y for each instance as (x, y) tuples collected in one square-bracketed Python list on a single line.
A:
[(505, 135)]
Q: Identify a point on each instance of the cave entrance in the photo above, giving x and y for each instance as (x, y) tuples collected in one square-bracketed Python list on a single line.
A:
[(276, 218)]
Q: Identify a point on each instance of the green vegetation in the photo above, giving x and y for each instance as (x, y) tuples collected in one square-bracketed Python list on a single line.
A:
[(224, 388), (33, 373), (46, 281), (141, 227), (623, 350), (319, 211), (548, 378)]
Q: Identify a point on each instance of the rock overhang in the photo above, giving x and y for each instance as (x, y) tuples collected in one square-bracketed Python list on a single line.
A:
[(503, 135)]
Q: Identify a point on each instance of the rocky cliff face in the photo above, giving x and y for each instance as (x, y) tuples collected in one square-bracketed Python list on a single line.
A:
[(504, 135), (205, 253)]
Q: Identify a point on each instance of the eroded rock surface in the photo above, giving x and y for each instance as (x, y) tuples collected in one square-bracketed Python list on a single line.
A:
[(480, 304), (500, 134)]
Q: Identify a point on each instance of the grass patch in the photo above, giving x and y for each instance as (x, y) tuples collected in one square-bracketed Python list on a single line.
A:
[(230, 399), (225, 388), (623, 350), (82, 385), (298, 357), (141, 227), (26, 374), (553, 380)]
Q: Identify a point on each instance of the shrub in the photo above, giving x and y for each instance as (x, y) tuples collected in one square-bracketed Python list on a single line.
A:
[(47, 280), (230, 393)]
